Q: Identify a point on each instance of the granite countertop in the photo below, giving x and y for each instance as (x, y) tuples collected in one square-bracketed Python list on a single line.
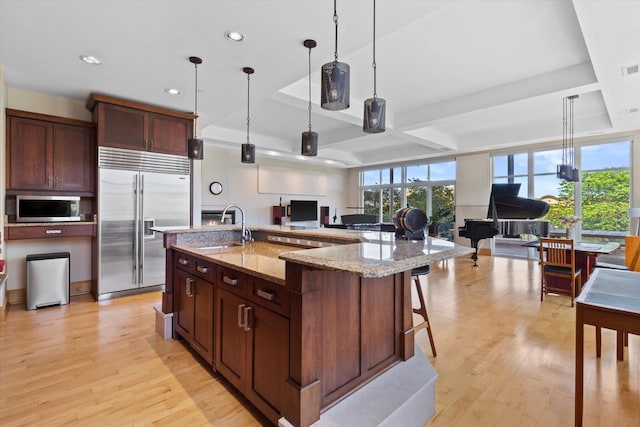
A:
[(257, 258), (382, 255), (365, 253)]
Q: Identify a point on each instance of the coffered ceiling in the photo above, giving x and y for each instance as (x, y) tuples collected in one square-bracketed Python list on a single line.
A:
[(459, 76)]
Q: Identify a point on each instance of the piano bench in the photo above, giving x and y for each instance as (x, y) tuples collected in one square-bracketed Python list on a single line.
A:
[(422, 310)]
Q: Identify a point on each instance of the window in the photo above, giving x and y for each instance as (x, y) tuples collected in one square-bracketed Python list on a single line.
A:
[(426, 186), (600, 199)]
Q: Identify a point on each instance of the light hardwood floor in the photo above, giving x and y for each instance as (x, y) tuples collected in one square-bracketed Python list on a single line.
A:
[(504, 359)]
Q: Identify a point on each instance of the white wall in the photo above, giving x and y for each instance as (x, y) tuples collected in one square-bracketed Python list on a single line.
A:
[(240, 185), (473, 189), (17, 250)]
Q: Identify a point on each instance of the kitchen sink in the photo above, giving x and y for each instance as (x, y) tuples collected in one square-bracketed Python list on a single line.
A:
[(222, 245)]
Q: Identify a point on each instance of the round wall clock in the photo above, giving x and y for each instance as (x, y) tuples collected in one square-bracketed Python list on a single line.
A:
[(215, 188)]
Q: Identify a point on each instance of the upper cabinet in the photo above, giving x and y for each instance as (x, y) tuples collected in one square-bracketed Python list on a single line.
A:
[(135, 126), (49, 154)]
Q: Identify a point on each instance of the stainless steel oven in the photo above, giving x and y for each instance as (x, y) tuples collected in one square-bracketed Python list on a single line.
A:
[(47, 208)]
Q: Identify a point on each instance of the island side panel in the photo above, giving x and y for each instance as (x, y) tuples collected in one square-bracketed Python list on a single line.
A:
[(302, 401), (407, 347), (342, 326), (380, 322), (344, 331), (167, 294)]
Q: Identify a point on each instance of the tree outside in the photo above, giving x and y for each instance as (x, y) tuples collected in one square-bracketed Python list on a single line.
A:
[(605, 200)]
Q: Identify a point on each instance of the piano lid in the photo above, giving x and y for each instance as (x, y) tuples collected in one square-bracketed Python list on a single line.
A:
[(509, 206)]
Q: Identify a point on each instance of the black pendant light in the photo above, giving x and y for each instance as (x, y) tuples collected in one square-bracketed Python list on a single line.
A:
[(309, 138), (335, 78), (248, 149), (567, 170), (374, 108), (195, 145)]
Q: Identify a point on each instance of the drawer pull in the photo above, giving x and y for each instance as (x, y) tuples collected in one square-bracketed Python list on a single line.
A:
[(183, 261), (229, 281), (189, 285), (240, 316), (53, 231), (202, 269), (246, 326), (266, 294)]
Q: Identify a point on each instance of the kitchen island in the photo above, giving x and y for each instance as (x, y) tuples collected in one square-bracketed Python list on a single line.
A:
[(299, 321)]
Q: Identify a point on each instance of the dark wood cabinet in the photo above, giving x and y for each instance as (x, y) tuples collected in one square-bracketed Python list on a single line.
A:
[(73, 154), (134, 126), (295, 349), (48, 156), (24, 232), (230, 358), (252, 343), (195, 305), (169, 134)]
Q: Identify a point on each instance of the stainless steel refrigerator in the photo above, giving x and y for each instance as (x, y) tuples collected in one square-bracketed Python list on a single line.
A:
[(137, 191)]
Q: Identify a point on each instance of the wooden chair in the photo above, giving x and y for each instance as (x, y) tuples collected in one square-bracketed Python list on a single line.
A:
[(558, 261), (422, 310)]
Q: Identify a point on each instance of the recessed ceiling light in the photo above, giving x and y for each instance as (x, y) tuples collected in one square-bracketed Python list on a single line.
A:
[(90, 59), (172, 91), (234, 36)]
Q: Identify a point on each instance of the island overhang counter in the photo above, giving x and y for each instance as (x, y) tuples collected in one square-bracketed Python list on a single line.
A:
[(301, 318)]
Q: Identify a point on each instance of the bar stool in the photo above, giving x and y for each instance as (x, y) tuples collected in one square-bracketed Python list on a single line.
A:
[(422, 310)]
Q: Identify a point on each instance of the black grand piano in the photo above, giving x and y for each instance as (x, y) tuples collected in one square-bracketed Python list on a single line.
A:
[(510, 216)]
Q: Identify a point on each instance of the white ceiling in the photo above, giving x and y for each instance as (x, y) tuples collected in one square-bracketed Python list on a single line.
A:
[(459, 76)]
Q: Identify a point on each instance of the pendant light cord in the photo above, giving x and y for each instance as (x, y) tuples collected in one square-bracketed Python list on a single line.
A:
[(564, 131), (309, 78), (195, 111), (335, 20), (571, 149), (248, 77), (375, 91)]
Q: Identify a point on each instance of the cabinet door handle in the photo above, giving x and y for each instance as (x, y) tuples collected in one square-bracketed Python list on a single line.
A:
[(183, 261), (189, 285), (266, 294), (240, 318), (151, 144), (53, 231), (246, 311), (55, 182), (229, 280), (202, 269)]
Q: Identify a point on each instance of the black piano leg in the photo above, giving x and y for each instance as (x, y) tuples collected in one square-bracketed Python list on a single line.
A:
[(474, 256)]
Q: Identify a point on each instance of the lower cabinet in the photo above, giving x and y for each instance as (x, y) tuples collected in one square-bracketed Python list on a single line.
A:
[(252, 349), (194, 315)]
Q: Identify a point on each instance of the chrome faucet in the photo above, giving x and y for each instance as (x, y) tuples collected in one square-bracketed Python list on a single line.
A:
[(245, 232)]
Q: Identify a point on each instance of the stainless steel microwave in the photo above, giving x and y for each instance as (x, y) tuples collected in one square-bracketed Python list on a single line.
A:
[(47, 208)]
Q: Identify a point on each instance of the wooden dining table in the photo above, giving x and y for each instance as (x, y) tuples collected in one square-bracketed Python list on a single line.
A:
[(586, 254), (610, 299)]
